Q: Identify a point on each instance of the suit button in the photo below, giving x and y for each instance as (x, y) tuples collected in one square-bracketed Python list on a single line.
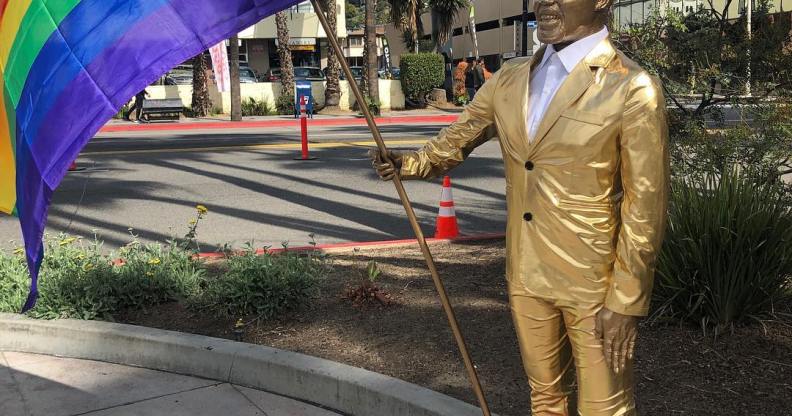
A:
[(529, 165), (527, 216)]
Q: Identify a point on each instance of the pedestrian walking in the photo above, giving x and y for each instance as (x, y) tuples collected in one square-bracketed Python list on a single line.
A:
[(478, 74), (137, 106), (470, 83)]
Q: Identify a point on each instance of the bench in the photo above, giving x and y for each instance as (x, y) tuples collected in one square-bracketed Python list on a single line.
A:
[(162, 109)]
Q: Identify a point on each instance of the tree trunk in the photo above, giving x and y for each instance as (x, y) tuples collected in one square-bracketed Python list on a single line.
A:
[(370, 78), (201, 101), (333, 89), (286, 99), (233, 67)]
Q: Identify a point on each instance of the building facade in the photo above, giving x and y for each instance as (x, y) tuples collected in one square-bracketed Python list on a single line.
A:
[(626, 12), (307, 39), (498, 32)]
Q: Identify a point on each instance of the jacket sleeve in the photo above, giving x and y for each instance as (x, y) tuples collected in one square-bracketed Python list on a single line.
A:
[(644, 178), (455, 142)]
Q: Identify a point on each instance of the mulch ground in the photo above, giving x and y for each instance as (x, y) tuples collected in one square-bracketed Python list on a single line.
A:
[(680, 370)]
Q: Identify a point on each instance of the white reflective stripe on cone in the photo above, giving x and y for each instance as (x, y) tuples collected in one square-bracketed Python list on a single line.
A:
[(446, 195), (447, 212)]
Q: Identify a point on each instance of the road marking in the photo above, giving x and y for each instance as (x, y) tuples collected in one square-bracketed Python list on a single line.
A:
[(278, 146)]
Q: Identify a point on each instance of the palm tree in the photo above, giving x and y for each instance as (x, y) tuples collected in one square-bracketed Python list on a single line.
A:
[(407, 15), (370, 76), (444, 13), (285, 102), (333, 89), (201, 101)]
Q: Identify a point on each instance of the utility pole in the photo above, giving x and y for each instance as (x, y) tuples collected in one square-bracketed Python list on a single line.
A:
[(524, 31), (233, 68), (748, 29)]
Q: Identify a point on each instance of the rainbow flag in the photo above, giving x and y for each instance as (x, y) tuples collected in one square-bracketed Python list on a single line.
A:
[(67, 66)]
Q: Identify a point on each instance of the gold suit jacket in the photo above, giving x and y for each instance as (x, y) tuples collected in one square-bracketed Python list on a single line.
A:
[(587, 198)]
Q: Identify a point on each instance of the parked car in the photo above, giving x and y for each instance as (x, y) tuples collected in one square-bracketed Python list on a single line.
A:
[(179, 75), (301, 73), (357, 72), (395, 73), (247, 75)]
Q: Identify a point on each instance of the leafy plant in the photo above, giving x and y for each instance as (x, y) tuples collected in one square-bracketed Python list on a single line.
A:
[(78, 281), (253, 107), (285, 104), (265, 285), (420, 73), (367, 292), (728, 251)]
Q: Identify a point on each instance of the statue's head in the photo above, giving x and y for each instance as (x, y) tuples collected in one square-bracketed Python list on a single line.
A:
[(565, 21)]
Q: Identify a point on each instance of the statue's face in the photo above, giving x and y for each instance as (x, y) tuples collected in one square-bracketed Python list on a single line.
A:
[(565, 21)]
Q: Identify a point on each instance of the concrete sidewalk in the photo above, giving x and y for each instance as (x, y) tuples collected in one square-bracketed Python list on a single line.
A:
[(42, 385)]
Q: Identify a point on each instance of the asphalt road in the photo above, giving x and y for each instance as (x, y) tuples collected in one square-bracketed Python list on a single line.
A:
[(255, 191)]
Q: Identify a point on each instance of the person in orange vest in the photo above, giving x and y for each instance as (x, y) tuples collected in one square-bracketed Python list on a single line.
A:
[(584, 139)]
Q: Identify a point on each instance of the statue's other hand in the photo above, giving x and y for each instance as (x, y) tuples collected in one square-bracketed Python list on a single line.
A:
[(617, 333), (385, 169)]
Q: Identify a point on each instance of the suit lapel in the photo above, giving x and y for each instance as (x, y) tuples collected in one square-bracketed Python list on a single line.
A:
[(523, 83), (578, 81), (571, 89)]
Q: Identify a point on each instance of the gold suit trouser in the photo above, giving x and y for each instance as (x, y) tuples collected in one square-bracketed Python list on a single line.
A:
[(555, 335)]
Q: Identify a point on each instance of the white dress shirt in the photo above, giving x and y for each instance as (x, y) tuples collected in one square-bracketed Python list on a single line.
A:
[(548, 76)]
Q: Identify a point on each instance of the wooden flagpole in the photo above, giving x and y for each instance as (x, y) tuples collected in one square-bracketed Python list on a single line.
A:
[(449, 310)]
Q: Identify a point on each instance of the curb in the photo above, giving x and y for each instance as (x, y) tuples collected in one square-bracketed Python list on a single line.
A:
[(345, 121), (347, 389), (368, 245)]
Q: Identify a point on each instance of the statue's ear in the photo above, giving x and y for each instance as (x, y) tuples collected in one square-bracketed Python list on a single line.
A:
[(602, 5)]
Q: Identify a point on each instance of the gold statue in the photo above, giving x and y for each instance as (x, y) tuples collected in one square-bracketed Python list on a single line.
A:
[(583, 134)]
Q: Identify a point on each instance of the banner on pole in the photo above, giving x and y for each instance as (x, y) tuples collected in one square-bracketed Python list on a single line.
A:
[(220, 64), (472, 30)]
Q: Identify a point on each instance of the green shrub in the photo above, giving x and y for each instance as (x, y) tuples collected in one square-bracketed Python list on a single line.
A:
[(285, 104), (264, 285), (78, 281), (254, 107), (420, 72), (728, 251)]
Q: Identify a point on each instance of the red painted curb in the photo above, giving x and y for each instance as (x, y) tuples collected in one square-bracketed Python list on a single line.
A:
[(346, 121), (366, 245)]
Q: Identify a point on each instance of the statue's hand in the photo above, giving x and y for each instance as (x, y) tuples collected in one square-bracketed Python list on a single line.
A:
[(617, 333), (384, 169)]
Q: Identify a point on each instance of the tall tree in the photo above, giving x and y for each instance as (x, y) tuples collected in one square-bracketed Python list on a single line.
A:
[(370, 76), (444, 13), (406, 15), (333, 88), (233, 68), (201, 101), (285, 102)]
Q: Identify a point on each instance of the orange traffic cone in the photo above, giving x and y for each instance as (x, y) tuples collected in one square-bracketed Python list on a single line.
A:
[(447, 226)]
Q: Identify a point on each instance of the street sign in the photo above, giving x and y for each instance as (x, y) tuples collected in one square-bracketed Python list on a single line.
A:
[(532, 24), (509, 55)]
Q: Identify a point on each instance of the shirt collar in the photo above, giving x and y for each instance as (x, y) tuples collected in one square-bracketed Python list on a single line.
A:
[(577, 51)]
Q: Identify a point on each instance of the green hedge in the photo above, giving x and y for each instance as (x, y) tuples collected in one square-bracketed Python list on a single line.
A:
[(420, 72)]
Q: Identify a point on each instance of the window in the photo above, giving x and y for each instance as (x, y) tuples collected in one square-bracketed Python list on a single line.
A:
[(355, 41)]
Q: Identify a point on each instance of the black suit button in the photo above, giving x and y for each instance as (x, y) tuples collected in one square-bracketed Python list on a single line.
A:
[(529, 165), (527, 216)]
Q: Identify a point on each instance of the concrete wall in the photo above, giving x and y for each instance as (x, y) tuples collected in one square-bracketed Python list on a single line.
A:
[(391, 95)]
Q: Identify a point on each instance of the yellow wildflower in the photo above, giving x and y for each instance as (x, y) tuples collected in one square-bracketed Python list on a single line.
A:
[(154, 261), (201, 209), (149, 274), (67, 241), (87, 266), (193, 221), (19, 251)]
